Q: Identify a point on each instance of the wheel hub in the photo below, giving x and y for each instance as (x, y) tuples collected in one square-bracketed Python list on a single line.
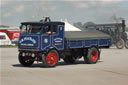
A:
[(94, 55), (51, 58)]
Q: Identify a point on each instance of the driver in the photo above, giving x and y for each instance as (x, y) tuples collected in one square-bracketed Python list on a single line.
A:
[(49, 31)]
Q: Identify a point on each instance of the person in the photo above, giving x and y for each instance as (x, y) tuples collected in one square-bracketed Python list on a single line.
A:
[(30, 29), (49, 31)]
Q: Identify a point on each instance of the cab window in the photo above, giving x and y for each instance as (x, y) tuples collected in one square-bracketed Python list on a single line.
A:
[(31, 28), (54, 29), (47, 29)]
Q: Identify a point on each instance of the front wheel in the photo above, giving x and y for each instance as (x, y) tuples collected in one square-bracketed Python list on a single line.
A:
[(120, 44), (50, 59), (26, 60), (92, 56)]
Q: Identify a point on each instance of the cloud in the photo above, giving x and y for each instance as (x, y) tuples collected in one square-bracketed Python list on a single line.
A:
[(91, 3), (7, 15), (112, 0), (95, 0), (19, 9), (4, 2), (85, 4), (75, 10)]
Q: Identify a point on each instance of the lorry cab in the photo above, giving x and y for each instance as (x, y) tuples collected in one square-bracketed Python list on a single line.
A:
[(40, 36)]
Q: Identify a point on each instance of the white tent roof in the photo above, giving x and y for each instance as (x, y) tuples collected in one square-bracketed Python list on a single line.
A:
[(69, 27)]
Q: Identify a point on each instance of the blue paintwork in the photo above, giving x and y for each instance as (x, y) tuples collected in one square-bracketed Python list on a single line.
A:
[(87, 43), (41, 42), (76, 44), (58, 38), (29, 41)]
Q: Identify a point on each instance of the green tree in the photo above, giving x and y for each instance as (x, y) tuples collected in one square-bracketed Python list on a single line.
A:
[(3, 26), (78, 25), (83, 26), (88, 23)]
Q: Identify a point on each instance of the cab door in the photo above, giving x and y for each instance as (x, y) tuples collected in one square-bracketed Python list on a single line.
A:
[(58, 37), (46, 37)]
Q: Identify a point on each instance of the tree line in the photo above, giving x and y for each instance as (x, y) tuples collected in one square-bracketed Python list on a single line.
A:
[(82, 26)]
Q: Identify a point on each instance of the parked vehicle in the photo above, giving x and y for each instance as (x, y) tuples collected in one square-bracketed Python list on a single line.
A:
[(13, 34), (4, 39), (48, 42)]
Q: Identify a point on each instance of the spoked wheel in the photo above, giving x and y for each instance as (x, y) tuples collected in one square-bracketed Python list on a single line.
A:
[(93, 56), (69, 59), (126, 44), (120, 44), (26, 60), (50, 59)]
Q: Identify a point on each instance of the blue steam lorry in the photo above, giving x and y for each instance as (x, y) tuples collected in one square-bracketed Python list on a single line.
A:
[(47, 41)]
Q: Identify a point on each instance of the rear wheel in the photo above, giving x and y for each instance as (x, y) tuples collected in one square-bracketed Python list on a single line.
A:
[(26, 60), (126, 44), (69, 59), (120, 44), (92, 56), (50, 59)]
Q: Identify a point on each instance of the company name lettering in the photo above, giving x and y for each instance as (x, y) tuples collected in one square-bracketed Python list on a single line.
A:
[(28, 38)]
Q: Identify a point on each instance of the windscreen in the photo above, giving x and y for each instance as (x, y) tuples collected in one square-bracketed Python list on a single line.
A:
[(31, 28)]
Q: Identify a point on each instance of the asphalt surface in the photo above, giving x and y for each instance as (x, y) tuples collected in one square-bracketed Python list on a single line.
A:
[(112, 69)]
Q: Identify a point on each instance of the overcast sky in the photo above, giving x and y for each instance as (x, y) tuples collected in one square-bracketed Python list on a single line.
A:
[(12, 12)]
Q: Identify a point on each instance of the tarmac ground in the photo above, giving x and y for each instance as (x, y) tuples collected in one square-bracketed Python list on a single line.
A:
[(111, 69)]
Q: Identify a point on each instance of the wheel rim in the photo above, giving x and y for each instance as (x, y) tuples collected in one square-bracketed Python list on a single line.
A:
[(94, 55), (120, 44), (51, 58)]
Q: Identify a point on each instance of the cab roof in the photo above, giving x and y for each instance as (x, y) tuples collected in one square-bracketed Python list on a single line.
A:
[(43, 23)]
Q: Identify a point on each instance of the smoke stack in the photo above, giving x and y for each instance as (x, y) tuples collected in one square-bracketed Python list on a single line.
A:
[(123, 25)]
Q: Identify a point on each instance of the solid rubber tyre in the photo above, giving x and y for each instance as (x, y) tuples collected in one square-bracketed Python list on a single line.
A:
[(25, 61), (92, 55), (50, 59)]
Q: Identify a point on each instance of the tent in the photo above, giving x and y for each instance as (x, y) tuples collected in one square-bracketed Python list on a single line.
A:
[(69, 27)]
